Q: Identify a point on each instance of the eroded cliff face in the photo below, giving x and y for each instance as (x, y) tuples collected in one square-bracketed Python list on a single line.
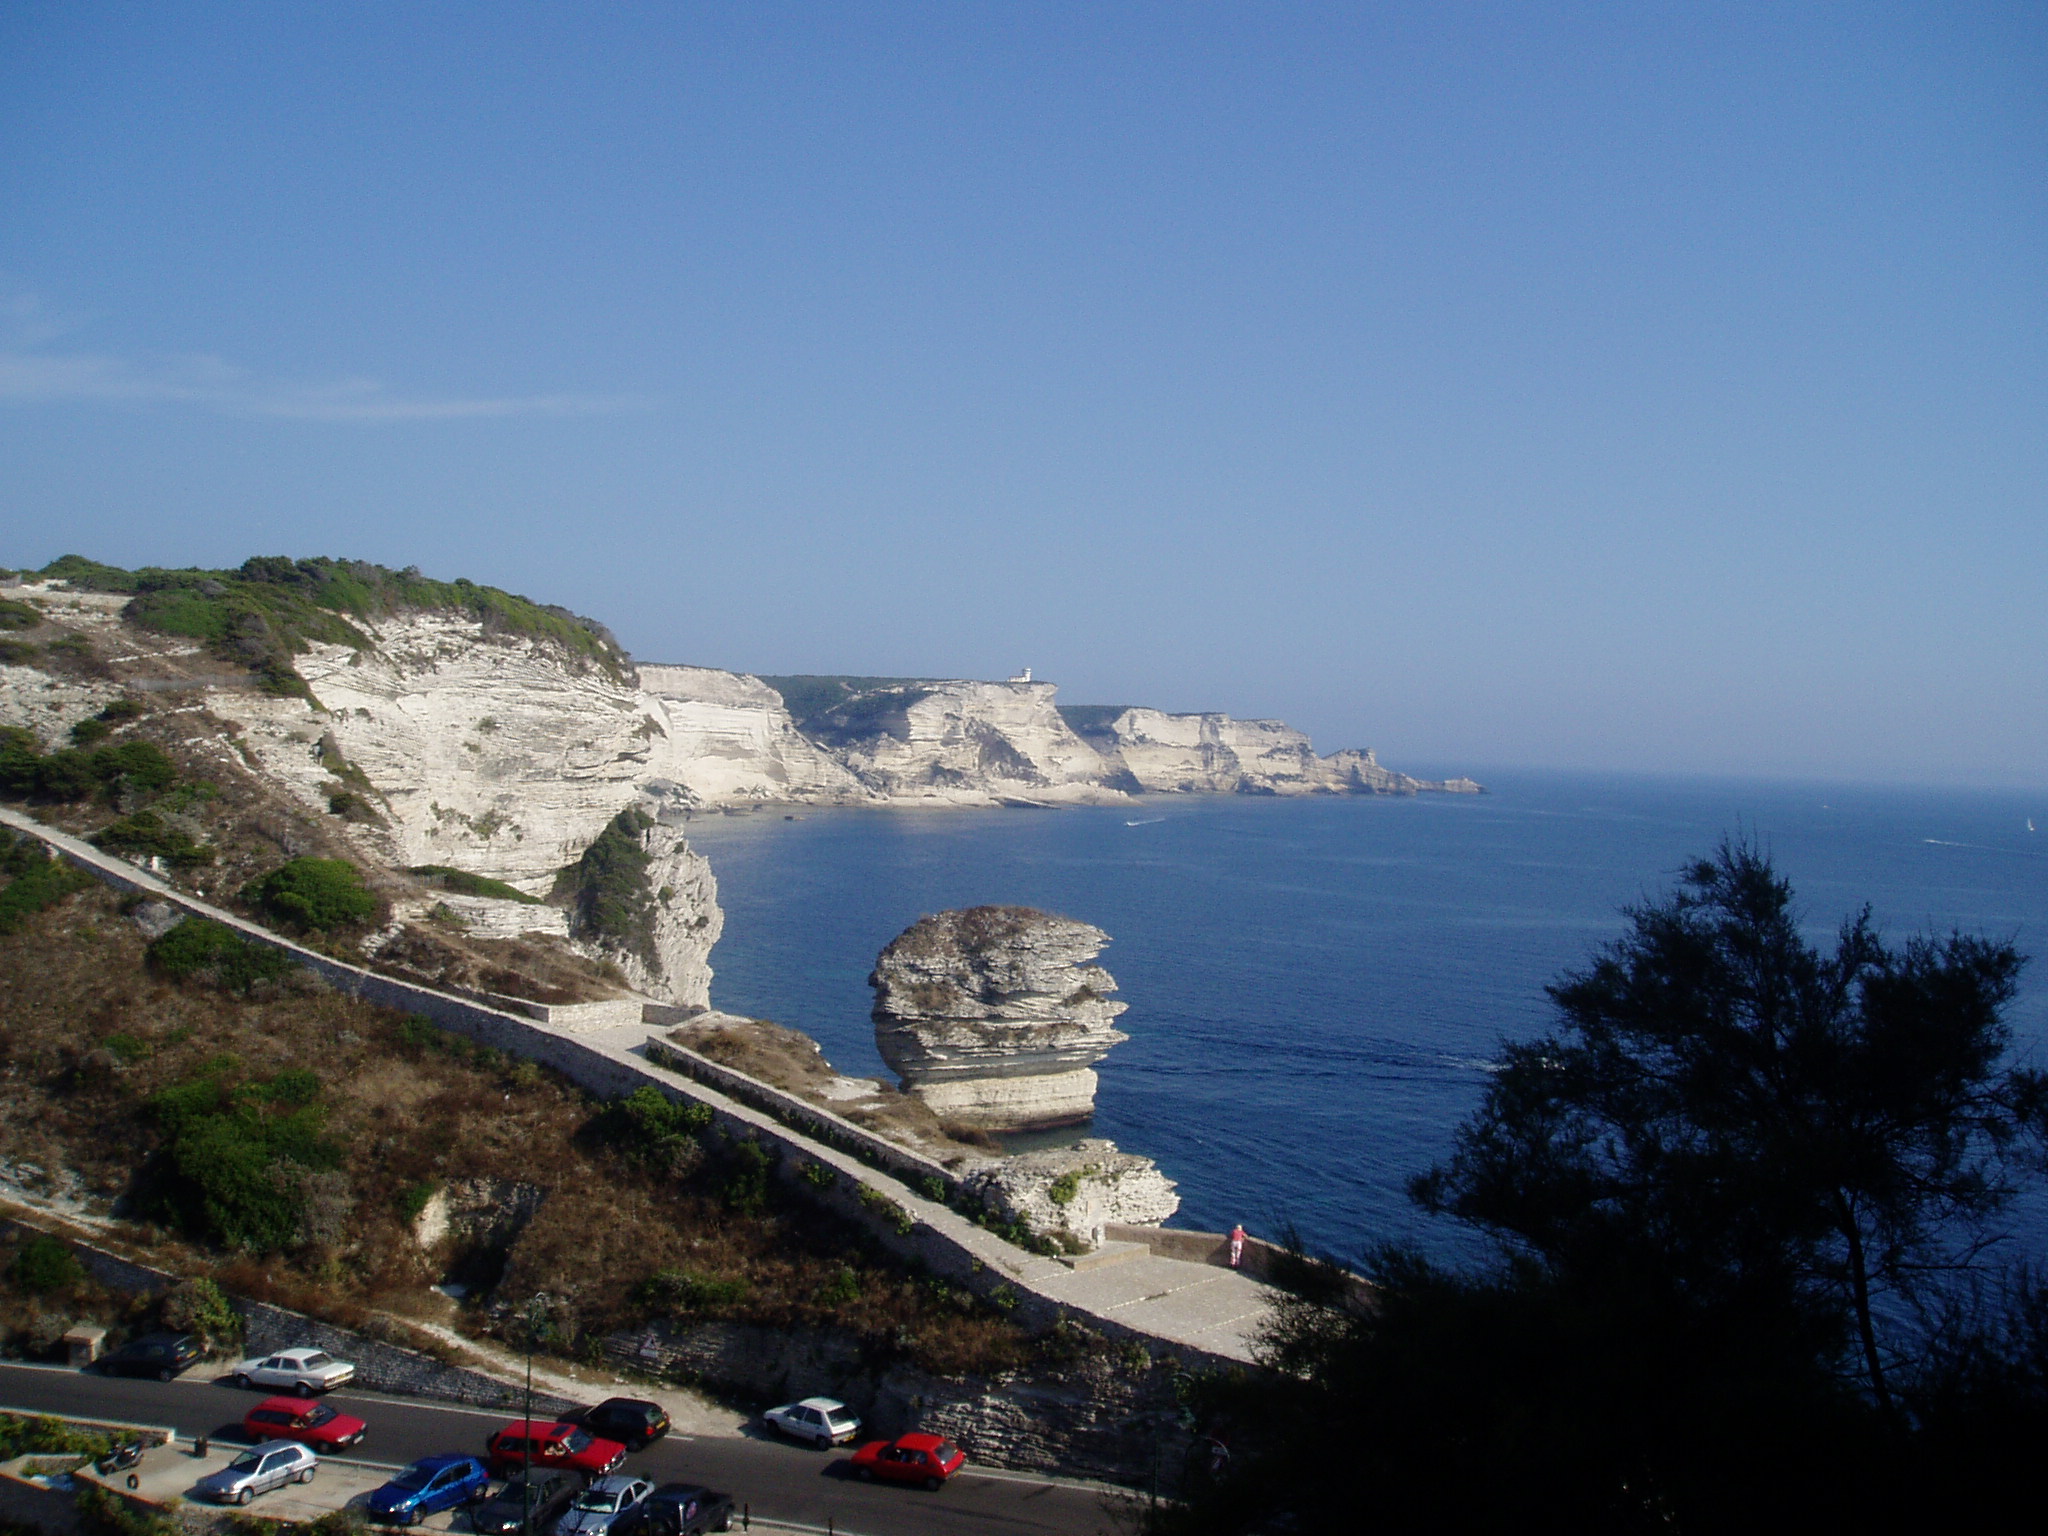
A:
[(993, 1016), (727, 739), (973, 743), (1213, 753)]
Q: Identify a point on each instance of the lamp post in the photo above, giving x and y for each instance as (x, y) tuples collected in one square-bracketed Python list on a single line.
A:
[(535, 1317)]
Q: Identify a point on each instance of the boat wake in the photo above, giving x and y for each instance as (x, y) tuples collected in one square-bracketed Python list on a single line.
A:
[(1147, 822)]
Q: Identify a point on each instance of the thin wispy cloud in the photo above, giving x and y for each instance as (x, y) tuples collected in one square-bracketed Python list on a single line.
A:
[(34, 371)]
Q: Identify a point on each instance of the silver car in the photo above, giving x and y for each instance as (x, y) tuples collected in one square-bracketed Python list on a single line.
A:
[(602, 1503), (258, 1470), (304, 1371)]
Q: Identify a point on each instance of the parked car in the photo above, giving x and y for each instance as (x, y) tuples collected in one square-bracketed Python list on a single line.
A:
[(162, 1355), (602, 1505), (922, 1459), (304, 1371), (551, 1445), (315, 1424), (539, 1495), (677, 1509), (632, 1421), (427, 1487), (258, 1470), (823, 1421)]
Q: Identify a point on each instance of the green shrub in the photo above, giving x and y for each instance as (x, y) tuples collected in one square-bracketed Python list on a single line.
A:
[(43, 1265), (199, 1306), (74, 774), (18, 615), (746, 1181), (86, 732), (842, 1289), (350, 806), (609, 901), (16, 653), (39, 1436), (36, 880), (680, 1290), (933, 1188), (317, 894), (818, 1174), (223, 1173), (413, 1199), (887, 1209), (127, 1049), (463, 883), (201, 947), (649, 1128), (147, 834)]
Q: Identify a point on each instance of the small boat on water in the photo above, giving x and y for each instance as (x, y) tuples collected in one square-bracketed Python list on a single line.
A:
[(2030, 823), (1152, 820)]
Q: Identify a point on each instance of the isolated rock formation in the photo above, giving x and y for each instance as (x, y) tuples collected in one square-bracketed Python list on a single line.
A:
[(1077, 1190), (993, 1016)]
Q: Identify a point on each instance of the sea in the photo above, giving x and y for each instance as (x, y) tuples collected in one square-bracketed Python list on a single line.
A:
[(1319, 988)]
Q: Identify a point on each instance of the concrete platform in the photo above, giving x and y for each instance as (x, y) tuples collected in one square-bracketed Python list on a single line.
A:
[(172, 1472), (1198, 1304)]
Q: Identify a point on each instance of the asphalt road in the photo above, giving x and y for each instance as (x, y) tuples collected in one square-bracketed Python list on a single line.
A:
[(787, 1484)]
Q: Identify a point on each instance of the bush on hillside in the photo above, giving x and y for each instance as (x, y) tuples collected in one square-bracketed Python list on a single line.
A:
[(225, 1172), (649, 1128), (76, 774), (35, 880), (316, 894), (43, 1265), (609, 900), (463, 883), (149, 835), (202, 948)]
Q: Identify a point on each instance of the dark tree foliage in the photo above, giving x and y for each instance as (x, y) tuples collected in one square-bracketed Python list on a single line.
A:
[(224, 1173), (314, 894), (1729, 1191), (609, 899), (1737, 1109), (34, 879)]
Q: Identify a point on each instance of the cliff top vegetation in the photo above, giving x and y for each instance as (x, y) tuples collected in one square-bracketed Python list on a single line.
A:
[(269, 609)]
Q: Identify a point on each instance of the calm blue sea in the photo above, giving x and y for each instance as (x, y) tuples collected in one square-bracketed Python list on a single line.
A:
[(1316, 987)]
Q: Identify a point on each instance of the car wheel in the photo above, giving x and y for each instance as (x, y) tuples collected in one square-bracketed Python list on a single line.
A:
[(164, 1374), (307, 1475), (931, 1484), (244, 1495), (242, 1380), (864, 1474)]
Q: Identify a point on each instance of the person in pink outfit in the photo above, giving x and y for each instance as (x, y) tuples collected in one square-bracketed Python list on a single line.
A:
[(1237, 1245)]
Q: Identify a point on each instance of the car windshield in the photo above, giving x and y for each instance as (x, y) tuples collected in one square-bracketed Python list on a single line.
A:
[(944, 1451), (841, 1418), (412, 1479), (246, 1462), (322, 1415), (598, 1502), (577, 1440), (314, 1361)]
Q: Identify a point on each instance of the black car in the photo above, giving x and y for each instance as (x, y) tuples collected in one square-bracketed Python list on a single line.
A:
[(678, 1509), (541, 1494), (162, 1355), (633, 1422)]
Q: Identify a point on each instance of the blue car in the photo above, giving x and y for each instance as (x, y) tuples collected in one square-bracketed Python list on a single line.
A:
[(428, 1486)]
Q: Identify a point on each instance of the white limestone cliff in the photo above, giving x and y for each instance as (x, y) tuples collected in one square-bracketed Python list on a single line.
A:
[(1214, 753), (727, 739), (976, 743), (1077, 1190)]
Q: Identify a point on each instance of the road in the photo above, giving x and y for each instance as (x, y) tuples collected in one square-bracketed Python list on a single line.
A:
[(787, 1484)]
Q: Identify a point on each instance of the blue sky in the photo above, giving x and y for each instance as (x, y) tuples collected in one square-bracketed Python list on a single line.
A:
[(1626, 386)]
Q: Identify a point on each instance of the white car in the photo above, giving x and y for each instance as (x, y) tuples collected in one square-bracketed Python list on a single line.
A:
[(304, 1371), (824, 1421), (258, 1470)]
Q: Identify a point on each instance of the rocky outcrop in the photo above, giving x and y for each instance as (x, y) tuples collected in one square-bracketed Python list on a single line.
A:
[(993, 1016), (1077, 1190)]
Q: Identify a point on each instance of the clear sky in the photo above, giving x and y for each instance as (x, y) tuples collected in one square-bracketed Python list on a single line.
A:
[(1633, 386)]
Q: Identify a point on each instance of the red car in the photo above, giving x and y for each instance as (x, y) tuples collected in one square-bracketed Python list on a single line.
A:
[(293, 1418), (923, 1459), (551, 1445)]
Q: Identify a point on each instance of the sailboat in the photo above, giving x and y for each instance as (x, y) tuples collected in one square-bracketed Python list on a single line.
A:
[(2030, 823)]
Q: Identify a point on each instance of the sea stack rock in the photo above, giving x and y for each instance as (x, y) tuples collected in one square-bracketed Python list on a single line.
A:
[(994, 1018)]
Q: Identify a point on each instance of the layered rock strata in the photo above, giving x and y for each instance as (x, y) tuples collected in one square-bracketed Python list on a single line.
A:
[(972, 742), (993, 1016), (1162, 753)]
